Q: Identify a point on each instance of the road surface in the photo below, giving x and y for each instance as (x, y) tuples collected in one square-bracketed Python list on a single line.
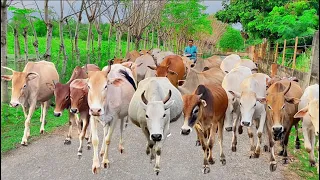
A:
[(49, 159)]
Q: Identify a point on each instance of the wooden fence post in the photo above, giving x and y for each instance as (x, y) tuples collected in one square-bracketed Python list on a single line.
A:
[(276, 53), (295, 54), (284, 52)]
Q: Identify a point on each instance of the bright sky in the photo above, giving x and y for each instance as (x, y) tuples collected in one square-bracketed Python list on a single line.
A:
[(212, 7)]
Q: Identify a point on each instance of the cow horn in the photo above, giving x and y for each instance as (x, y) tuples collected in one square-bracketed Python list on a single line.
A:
[(54, 82), (172, 72), (166, 99), (286, 90), (200, 95), (8, 68), (86, 68), (143, 98)]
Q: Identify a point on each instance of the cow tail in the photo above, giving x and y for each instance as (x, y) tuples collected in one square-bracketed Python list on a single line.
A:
[(126, 75)]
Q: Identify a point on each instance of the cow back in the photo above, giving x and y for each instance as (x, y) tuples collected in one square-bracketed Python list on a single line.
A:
[(175, 64)]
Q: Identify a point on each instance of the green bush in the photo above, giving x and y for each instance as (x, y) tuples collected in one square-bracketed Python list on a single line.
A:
[(231, 40)]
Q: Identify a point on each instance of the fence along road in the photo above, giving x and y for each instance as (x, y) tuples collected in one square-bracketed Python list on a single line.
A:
[(48, 158)]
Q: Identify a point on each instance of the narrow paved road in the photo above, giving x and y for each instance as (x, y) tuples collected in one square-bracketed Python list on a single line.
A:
[(48, 158)]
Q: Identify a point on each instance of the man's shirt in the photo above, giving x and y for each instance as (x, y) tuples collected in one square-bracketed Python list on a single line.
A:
[(191, 50)]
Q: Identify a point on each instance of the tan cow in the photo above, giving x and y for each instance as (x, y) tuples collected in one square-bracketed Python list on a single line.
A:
[(282, 104), (145, 51), (29, 87), (195, 78), (204, 110), (132, 55), (229, 62), (109, 95), (309, 111), (171, 67)]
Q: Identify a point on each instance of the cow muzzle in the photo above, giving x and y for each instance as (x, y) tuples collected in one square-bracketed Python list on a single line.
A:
[(74, 110), (57, 114), (156, 137), (277, 132), (14, 104), (247, 124), (185, 131), (95, 111), (228, 129)]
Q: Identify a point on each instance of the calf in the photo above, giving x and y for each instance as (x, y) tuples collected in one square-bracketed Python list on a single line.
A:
[(205, 111), (282, 104), (79, 105), (309, 111), (28, 88), (171, 67)]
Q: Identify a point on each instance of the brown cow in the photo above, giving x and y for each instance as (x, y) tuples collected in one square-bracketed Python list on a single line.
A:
[(205, 111), (28, 88), (62, 95), (144, 52), (116, 60), (79, 104), (282, 104), (132, 56), (171, 67)]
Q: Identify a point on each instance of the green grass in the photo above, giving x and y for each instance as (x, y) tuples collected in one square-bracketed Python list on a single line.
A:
[(12, 125), (302, 60), (301, 166)]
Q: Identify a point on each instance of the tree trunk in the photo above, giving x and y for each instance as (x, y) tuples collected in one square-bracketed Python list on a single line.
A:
[(152, 38), (146, 40), (49, 25), (158, 39), (128, 41), (4, 84), (116, 45), (88, 42), (72, 46), (25, 35), (77, 34), (137, 43), (109, 37), (119, 45), (17, 56), (62, 48)]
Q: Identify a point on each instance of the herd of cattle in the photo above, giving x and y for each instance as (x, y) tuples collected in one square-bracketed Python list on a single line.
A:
[(153, 88)]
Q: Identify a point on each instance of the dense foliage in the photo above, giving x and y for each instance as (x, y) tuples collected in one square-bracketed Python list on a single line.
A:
[(273, 19), (231, 40)]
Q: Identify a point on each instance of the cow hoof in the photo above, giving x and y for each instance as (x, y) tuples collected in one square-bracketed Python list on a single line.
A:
[(273, 167), (86, 138), (148, 151), (106, 165), (101, 154), (67, 142), (121, 149), (266, 148), (206, 169), (88, 147), (280, 153), (285, 161), (152, 157), (234, 148), (297, 146), (211, 161), (223, 161), (157, 170), (312, 164), (198, 143), (240, 130), (256, 155), (24, 143), (79, 155), (126, 125), (95, 169), (41, 131)]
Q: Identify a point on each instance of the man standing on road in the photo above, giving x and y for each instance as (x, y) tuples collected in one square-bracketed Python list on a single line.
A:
[(191, 51)]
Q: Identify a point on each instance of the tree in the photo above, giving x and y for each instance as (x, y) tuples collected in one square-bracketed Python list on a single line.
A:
[(231, 40)]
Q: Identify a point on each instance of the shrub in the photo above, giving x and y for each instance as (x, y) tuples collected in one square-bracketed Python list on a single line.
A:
[(231, 40)]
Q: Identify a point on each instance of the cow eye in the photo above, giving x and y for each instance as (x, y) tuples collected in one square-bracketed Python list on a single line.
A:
[(88, 87), (67, 97), (255, 105), (240, 104), (164, 115), (106, 86), (24, 86), (283, 106), (196, 111), (269, 107), (147, 116)]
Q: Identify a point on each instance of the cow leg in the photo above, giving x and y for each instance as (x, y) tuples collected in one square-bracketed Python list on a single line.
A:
[(25, 111), (158, 147), (198, 140), (150, 143), (105, 131), (67, 141), (285, 145), (78, 123), (127, 121), (95, 143), (44, 107), (121, 148), (311, 153), (252, 146), (81, 136), (41, 111), (234, 133), (266, 143), (105, 160), (307, 139), (261, 123), (88, 132), (220, 135), (26, 132), (273, 162), (297, 146), (206, 168)]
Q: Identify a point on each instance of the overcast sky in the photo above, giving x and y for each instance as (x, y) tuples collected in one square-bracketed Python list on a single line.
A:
[(212, 7)]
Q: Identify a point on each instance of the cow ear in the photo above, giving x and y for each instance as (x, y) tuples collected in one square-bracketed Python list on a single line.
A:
[(152, 67), (79, 84), (292, 100), (31, 76), (301, 113), (117, 82), (168, 104), (204, 103), (181, 82), (235, 94), (262, 100), (50, 86), (6, 77), (254, 70), (226, 72)]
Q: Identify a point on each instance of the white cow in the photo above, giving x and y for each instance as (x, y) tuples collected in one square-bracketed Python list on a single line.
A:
[(252, 107), (309, 111), (229, 62), (154, 105), (231, 82), (248, 63), (109, 95), (161, 55), (155, 51), (140, 68)]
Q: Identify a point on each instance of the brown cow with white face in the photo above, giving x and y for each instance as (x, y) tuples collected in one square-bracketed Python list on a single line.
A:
[(62, 96), (79, 105), (29, 87), (171, 67), (205, 111), (282, 104)]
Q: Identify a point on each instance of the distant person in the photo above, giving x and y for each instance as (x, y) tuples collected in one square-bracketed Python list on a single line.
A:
[(191, 51)]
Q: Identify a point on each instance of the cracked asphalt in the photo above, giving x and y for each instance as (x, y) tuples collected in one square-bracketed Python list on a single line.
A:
[(48, 158)]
